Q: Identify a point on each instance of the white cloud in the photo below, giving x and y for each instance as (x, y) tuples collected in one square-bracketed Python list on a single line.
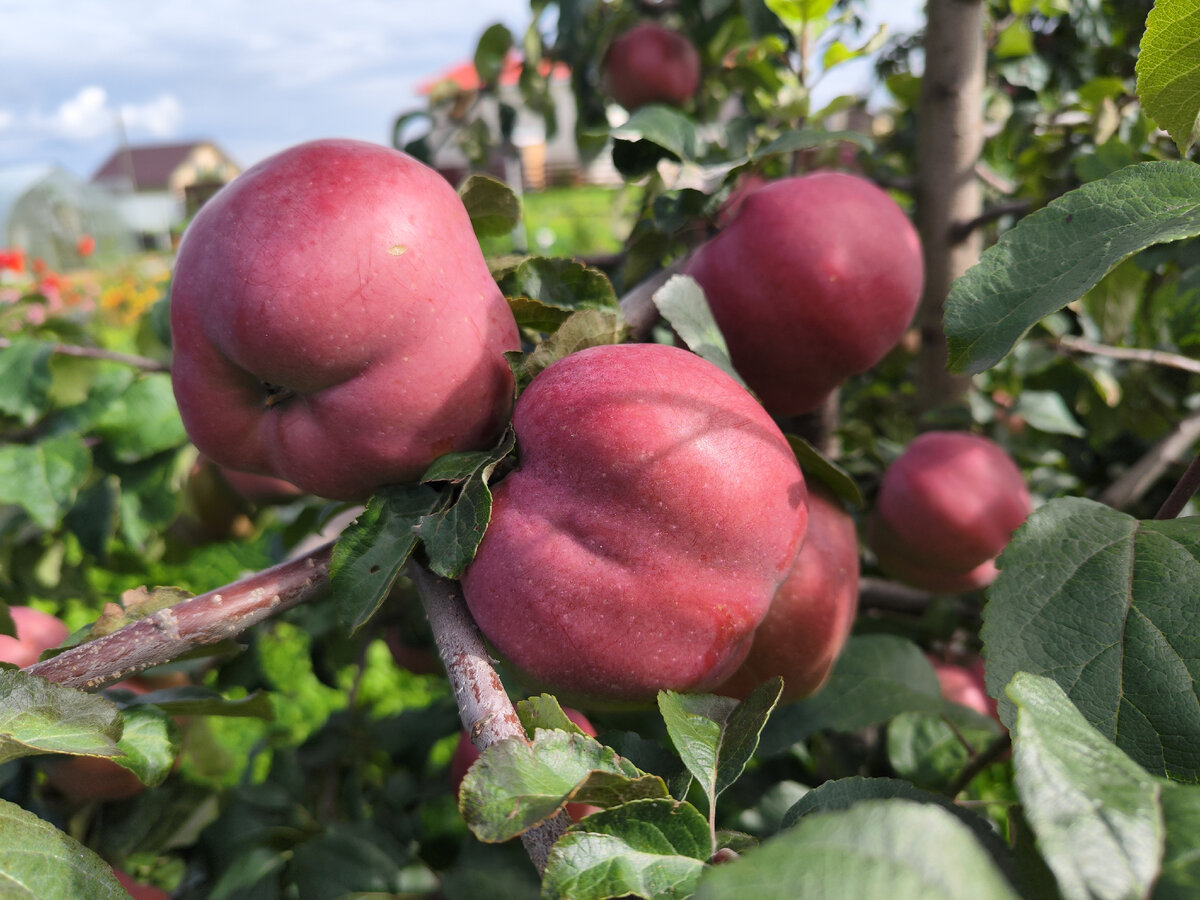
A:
[(84, 116), (160, 117), (90, 114), (6, 119)]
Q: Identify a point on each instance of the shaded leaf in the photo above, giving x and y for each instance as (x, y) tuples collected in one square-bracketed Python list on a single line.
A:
[(44, 478), (493, 206), (143, 421), (663, 126), (39, 716), (25, 379), (817, 465), (193, 700), (583, 329), (683, 304), (150, 744), (39, 862), (1180, 878)]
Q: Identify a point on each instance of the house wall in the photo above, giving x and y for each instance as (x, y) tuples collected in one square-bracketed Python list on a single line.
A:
[(204, 163)]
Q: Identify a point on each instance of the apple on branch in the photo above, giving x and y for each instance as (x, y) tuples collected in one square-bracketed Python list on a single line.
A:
[(651, 64), (812, 280), (656, 510), (334, 322)]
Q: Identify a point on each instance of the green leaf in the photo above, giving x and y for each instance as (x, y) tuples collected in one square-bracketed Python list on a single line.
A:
[(491, 51), (898, 849), (39, 862), (372, 550), (875, 678), (544, 711), (586, 328), (1168, 70), (544, 291), (25, 379), (494, 207), (347, 859), (817, 465), (193, 700), (1095, 812), (1180, 877), (1104, 605), (807, 138), (515, 785), (929, 752), (149, 743), (1014, 40), (793, 13), (1046, 411), (452, 534), (683, 304), (1055, 255), (143, 421), (44, 478), (717, 736), (655, 849), (39, 716), (662, 126)]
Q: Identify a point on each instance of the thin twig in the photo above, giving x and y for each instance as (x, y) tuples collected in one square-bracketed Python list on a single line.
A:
[(198, 622), (129, 359), (485, 709), (977, 763), (1132, 484), (638, 304), (1076, 344), (1183, 491)]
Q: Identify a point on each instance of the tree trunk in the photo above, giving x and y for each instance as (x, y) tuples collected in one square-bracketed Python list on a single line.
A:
[(949, 141)]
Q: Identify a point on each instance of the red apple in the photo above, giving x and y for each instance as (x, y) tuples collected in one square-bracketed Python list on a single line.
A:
[(36, 632), (651, 64), (656, 510), (946, 508), (335, 323), (965, 685), (86, 778), (813, 610), (139, 891), (814, 279), (465, 755), (416, 659)]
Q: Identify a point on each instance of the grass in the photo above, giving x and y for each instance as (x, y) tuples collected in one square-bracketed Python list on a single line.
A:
[(570, 221)]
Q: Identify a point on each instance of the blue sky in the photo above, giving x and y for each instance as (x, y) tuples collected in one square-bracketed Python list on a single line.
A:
[(255, 76)]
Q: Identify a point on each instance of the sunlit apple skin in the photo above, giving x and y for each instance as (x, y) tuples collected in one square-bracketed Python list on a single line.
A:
[(651, 64), (965, 685), (36, 632), (656, 510), (814, 279), (813, 610), (465, 755), (334, 323), (946, 508)]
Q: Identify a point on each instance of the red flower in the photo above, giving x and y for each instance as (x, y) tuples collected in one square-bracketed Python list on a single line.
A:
[(86, 245), (13, 260)]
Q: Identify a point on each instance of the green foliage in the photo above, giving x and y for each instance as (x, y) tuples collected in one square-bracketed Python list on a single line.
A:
[(1168, 68), (39, 861)]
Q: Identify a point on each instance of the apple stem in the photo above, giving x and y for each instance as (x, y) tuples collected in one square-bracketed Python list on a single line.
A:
[(1183, 491), (978, 762), (200, 621), (486, 711)]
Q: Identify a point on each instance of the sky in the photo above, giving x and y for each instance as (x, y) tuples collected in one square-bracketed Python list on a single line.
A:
[(254, 76)]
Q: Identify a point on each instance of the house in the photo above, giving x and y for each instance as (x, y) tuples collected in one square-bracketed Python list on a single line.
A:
[(158, 187), (541, 160), (50, 214)]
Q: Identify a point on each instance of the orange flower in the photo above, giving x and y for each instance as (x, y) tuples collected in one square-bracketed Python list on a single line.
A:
[(86, 245)]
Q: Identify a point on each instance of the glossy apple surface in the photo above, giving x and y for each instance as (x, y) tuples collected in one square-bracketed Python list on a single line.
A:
[(946, 508), (465, 755), (813, 610), (334, 323), (36, 632), (813, 279), (656, 510), (651, 64)]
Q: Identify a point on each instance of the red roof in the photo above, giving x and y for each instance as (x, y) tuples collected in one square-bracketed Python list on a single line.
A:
[(151, 164), (466, 78)]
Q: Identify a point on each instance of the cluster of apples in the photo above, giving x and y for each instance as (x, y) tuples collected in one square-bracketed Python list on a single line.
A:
[(335, 325)]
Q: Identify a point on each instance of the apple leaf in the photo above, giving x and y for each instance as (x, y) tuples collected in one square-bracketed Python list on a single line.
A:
[(150, 744), (25, 379), (717, 736), (543, 291), (143, 421), (43, 478), (1104, 604), (515, 785), (493, 206), (583, 329), (895, 848), (1168, 70), (452, 534), (491, 52), (1180, 877), (544, 711), (1055, 255), (371, 551), (876, 677), (39, 716), (194, 700), (683, 304), (930, 752), (663, 126), (37, 861), (817, 465), (1095, 812), (655, 849), (807, 138)]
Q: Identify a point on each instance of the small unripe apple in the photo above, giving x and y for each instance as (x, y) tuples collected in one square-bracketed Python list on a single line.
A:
[(334, 322), (813, 610), (965, 685), (655, 511), (814, 279), (465, 755), (36, 632), (651, 64), (946, 508)]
